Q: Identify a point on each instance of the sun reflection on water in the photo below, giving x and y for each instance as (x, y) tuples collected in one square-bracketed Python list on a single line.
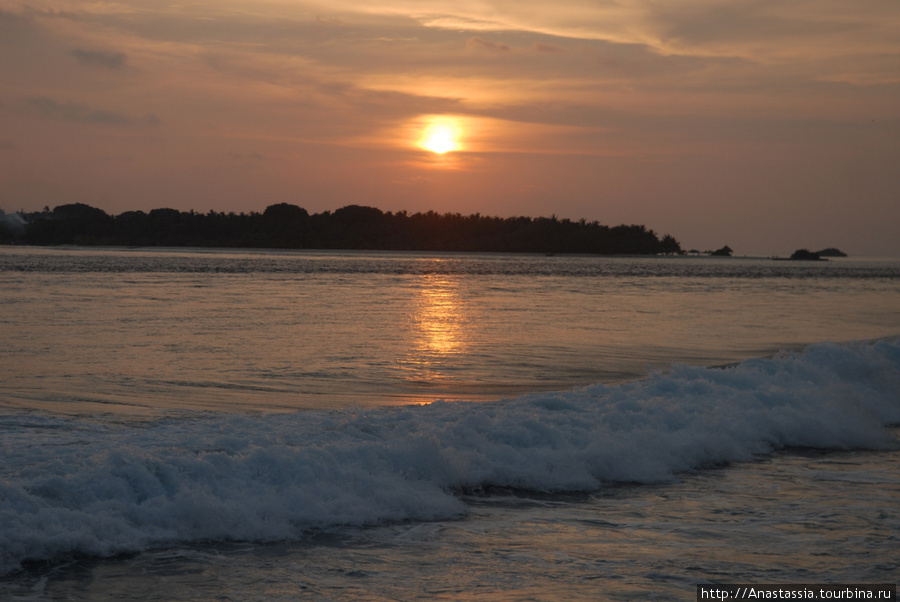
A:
[(439, 318), (439, 329)]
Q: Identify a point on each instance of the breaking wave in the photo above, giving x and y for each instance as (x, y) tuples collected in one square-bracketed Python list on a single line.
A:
[(76, 486)]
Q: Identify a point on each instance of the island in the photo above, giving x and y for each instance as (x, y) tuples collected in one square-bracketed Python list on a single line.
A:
[(354, 227), (806, 255)]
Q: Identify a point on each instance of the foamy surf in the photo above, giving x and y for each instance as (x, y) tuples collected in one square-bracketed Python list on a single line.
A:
[(73, 486)]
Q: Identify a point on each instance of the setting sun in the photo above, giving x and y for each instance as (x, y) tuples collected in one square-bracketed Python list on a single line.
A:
[(441, 136)]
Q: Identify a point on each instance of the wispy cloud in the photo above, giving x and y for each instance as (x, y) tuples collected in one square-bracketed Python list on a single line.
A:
[(98, 58), (548, 48), (79, 113), (478, 43)]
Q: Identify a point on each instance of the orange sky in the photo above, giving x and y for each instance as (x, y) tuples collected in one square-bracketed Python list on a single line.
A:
[(767, 126)]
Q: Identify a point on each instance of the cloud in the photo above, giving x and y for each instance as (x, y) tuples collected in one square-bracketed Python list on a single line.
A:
[(547, 48), (329, 20), (251, 156), (476, 43), (13, 25), (747, 20), (78, 113), (96, 58)]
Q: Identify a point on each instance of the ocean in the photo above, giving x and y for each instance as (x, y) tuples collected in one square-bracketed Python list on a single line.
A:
[(212, 424)]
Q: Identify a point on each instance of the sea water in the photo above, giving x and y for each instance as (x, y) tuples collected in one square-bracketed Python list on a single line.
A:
[(216, 425)]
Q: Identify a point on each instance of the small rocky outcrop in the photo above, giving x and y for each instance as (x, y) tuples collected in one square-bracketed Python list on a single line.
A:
[(806, 255)]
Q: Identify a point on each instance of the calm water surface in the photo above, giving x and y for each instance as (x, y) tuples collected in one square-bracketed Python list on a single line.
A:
[(135, 331)]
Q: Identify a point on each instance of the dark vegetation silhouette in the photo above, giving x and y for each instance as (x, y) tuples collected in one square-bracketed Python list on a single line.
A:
[(806, 255), (352, 227)]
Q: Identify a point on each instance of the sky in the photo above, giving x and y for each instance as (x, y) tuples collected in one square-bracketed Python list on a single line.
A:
[(766, 125)]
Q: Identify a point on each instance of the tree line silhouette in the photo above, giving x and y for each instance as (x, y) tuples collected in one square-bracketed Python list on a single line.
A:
[(352, 227)]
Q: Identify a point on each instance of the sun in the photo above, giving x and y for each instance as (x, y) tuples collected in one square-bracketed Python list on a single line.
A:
[(439, 139), (440, 136)]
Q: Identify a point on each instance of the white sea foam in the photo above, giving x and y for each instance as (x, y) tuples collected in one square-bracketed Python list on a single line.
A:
[(73, 486)]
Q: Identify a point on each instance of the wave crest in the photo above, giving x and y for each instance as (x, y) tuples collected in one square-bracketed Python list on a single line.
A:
[(72, 486)]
